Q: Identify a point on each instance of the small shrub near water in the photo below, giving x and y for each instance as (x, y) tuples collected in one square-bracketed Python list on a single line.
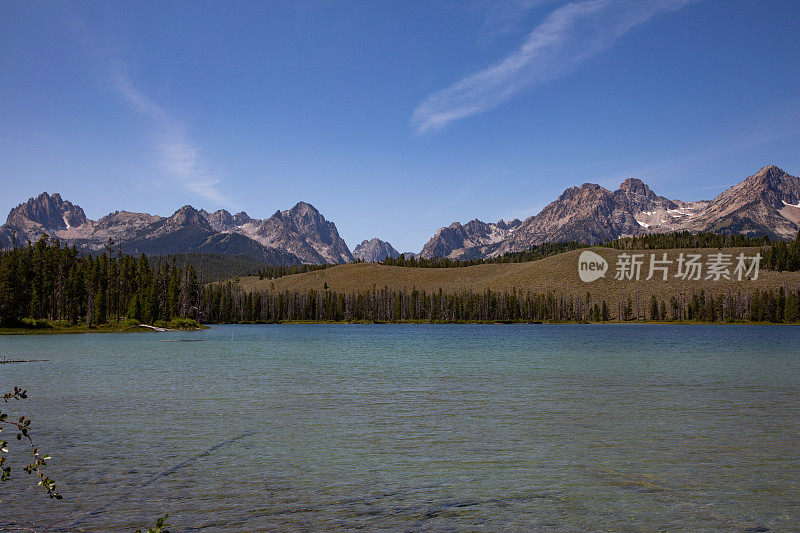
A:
[(30, 323), (183, 323)]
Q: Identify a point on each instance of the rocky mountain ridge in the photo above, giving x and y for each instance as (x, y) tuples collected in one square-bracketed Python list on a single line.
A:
[(298, 235), (374, 251), (766, 203), (471, 240)]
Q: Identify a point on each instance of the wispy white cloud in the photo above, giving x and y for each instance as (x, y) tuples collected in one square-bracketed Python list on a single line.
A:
[(504, 17), (567, 37), (178, 155)]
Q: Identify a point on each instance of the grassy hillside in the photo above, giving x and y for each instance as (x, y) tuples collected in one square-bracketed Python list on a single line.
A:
[(558, 274)]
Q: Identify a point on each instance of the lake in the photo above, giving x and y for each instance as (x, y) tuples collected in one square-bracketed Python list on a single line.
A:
[(412, 427)]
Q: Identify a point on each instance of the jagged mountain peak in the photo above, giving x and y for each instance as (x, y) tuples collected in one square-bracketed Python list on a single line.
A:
[(769, 176), (639, 197), (188, 216), (511, 225), (304, 231), (302, 209), (769, 179), (634, 185), (475, 238), (302, 215), (241, 218), (307, 220), (765, 203), (50, 211), (771, 169), (220, 219), (585, 190), (374, 250)]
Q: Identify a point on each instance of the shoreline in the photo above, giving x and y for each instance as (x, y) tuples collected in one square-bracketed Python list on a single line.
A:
[(138, 329), (79, 329)]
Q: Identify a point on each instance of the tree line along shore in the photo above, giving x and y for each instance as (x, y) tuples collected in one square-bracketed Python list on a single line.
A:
[(45, 286)]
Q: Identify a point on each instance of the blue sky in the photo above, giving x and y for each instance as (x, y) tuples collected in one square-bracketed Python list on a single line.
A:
[(392, 118)]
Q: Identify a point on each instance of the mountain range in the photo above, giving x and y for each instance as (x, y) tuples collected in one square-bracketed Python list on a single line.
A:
[(298, 235), (766, 203)]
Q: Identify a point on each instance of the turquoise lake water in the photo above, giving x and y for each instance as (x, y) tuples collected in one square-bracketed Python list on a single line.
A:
[(412, 427)]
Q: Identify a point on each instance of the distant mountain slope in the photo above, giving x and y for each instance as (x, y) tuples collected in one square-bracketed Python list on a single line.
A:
[(213, 267), (195, 240), (299, 235), (375, 251), (588, 213), (767, 203), (473, 239), (7, 237), (303, 231)]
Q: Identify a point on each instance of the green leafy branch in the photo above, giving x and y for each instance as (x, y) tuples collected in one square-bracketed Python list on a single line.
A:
[(161, 526), (22, 426)]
